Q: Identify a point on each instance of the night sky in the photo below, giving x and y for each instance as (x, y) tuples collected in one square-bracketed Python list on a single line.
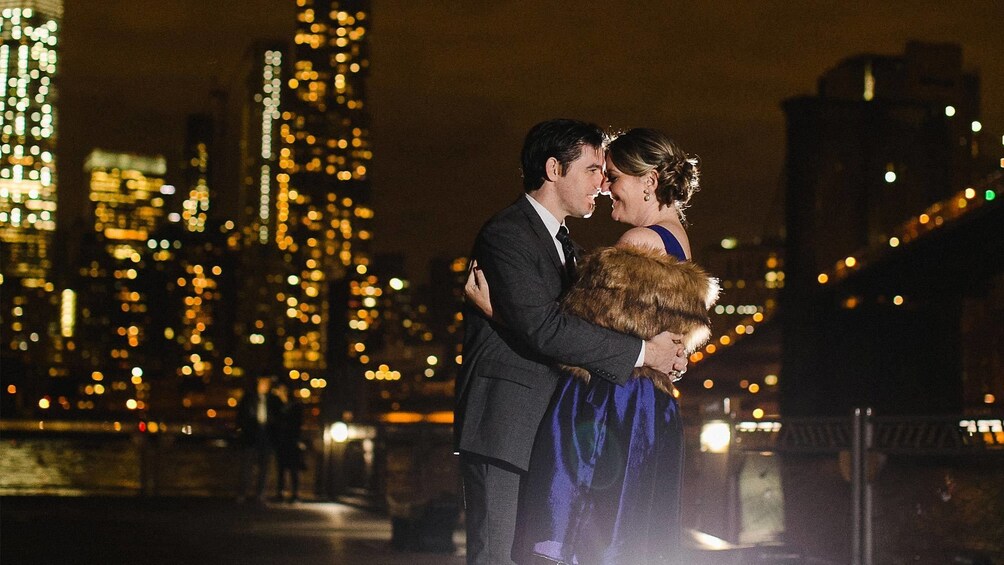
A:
[(454, 86)]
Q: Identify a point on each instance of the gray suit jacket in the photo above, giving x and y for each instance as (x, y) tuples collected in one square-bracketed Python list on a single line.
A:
[(507, 377)]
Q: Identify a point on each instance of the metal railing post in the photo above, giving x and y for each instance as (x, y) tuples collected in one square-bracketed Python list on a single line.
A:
[(857, 455), (862, 438), (866, 507)]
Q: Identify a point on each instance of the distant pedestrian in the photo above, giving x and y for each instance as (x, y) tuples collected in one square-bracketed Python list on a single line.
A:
[(256, 421), (289, 448)]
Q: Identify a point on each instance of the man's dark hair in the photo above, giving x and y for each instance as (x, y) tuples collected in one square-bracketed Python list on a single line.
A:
[(562, 139)]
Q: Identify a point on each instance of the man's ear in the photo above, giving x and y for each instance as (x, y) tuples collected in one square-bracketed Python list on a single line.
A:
[(552, 169)]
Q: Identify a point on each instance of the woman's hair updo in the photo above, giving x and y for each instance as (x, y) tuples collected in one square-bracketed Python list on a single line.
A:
[(642, 150)]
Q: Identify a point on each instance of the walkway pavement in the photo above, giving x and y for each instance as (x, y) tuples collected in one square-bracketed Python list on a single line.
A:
[(44, 530), (198, 531)]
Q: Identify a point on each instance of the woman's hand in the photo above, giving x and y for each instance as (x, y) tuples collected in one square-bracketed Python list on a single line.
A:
[(476, 290)]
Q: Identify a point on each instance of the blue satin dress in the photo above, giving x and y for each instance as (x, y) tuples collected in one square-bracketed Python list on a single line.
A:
[(606, 472)]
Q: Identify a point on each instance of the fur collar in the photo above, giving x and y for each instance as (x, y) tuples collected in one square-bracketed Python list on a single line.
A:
[(643, 292)]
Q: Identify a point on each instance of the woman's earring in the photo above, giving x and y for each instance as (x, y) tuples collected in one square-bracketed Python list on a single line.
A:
[(648, 196)]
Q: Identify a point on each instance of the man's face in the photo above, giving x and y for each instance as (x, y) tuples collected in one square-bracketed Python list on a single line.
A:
[(578, 187)]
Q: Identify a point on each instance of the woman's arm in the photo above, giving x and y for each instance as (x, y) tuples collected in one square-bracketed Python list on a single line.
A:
[(477, 290)]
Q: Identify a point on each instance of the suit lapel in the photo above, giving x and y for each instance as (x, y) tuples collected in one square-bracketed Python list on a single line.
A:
[(544, 239)]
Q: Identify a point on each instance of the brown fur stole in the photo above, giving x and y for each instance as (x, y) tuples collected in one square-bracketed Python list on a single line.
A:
[(643, 292)]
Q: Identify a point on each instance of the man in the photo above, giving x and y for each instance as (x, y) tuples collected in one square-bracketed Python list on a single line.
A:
[(256, 415), (507, 380)]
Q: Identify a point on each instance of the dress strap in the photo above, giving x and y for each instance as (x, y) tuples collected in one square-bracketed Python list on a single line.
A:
[(669, 240)]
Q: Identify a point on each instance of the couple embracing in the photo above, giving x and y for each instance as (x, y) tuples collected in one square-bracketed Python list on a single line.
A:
[(570, 440)]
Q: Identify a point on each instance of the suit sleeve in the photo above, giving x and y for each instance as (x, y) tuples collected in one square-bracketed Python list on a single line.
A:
[(521, 300)]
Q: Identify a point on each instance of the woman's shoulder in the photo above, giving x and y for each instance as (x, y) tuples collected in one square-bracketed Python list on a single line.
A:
[(641, 237)]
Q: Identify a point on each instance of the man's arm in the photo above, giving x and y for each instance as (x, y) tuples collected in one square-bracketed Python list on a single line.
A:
[(666, 350), (524, 305)]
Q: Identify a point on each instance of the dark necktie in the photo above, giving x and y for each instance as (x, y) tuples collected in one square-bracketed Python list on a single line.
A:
[(569, 250)]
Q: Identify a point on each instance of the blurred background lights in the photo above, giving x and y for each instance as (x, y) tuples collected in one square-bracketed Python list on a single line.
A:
[(715, 437), (339, 432)]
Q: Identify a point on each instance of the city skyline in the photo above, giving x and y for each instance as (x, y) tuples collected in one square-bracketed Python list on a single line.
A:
[(450, 101), (282, 200)]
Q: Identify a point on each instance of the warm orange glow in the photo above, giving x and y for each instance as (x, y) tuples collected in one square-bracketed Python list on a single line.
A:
[(823, 278), (444, 417), (401, 417)]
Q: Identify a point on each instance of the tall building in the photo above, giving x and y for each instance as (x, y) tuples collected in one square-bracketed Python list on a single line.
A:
[(322, 192), (198, 163), (30, 31), (125, 191), (113, 297), (191, 367), (259, 317), (259, 140), (885, 138)]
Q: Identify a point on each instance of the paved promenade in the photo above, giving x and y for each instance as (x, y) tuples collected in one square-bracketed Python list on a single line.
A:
[(197, 531), (47, 530)]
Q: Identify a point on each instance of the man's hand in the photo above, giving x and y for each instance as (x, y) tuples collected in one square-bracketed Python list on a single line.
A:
[(665, 353)]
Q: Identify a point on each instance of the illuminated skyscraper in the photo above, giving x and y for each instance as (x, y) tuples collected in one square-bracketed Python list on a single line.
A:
[(189, 326), (884, 137), (114, 301), (29, 30), (125, 191), (259, 135), (198, 141), (260, 318), (322, 193)]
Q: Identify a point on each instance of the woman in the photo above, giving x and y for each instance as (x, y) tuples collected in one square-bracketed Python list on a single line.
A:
[(605, 476)]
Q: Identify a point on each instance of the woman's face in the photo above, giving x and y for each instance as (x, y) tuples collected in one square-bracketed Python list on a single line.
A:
[(628, 195)]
